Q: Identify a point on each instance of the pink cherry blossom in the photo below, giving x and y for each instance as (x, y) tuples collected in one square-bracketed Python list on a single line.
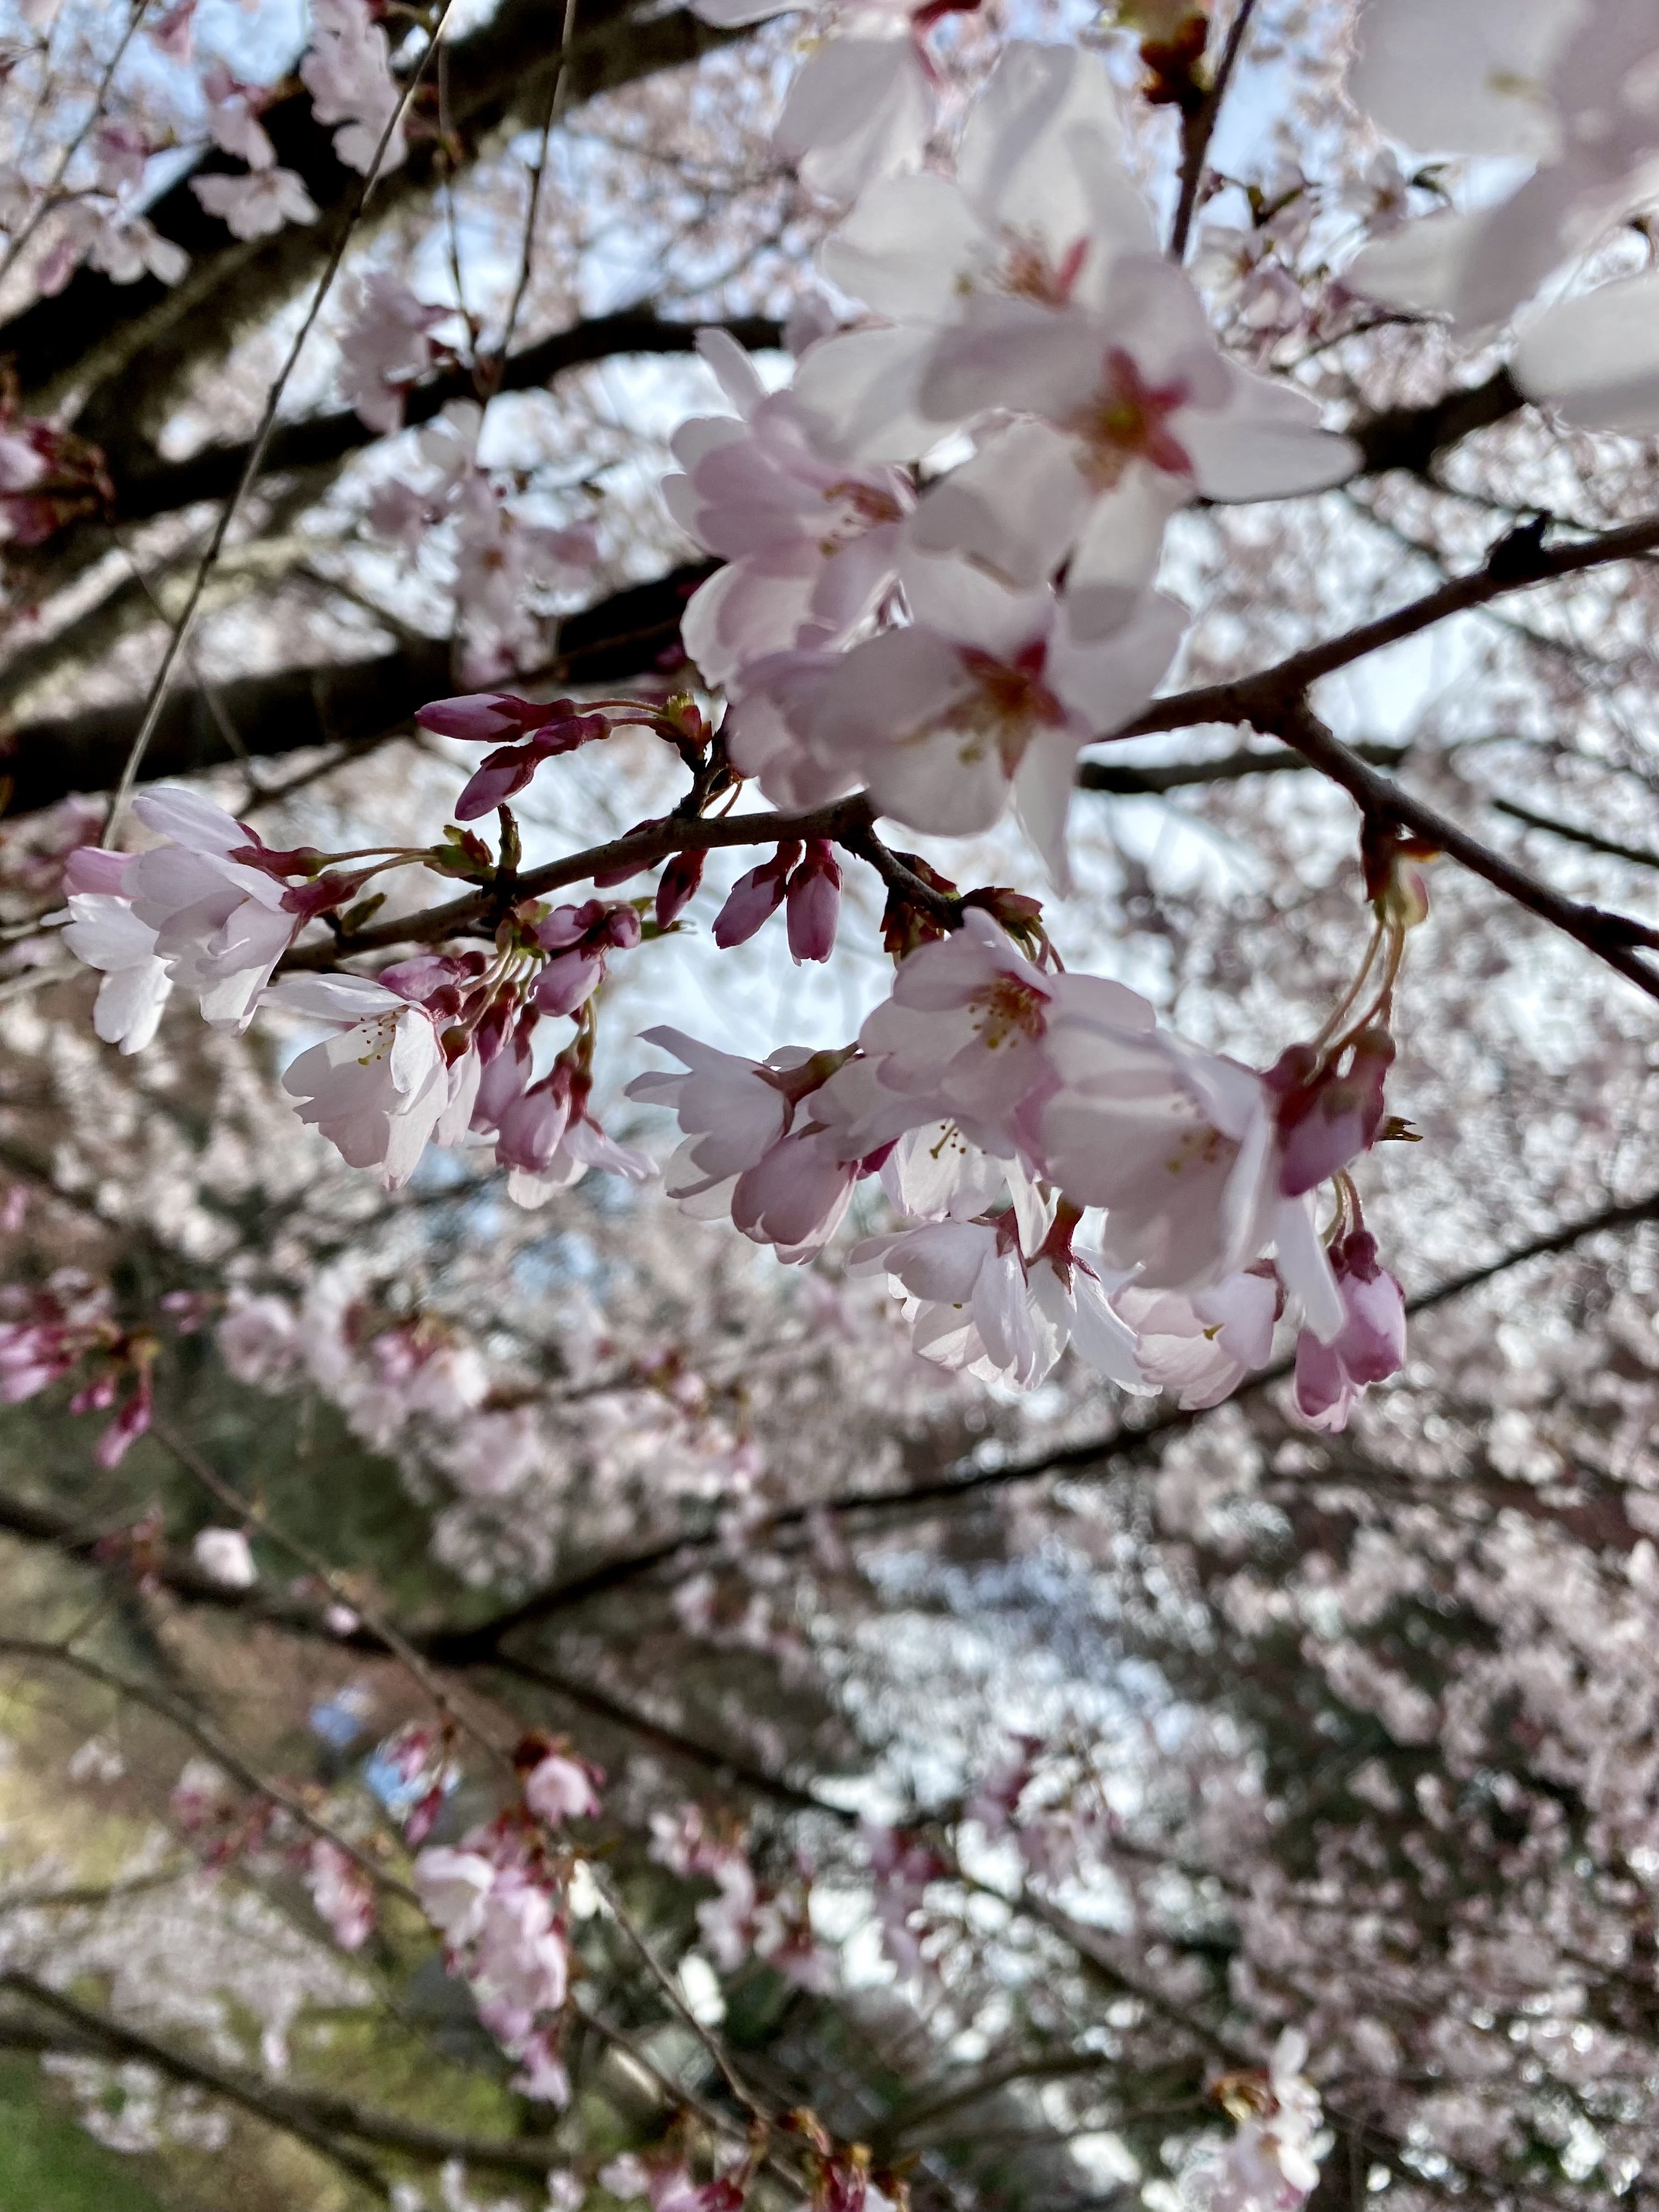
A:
[(1370, 1346), (1180, 1146), (385, 348), (988, 692), (105, 933), (1137, 411), (1039, 209), (347, 74), (811, 542), (559, 1787), (259, 204), (1203, 1346), (453, 1887), (730, 1111), (379, 1087)]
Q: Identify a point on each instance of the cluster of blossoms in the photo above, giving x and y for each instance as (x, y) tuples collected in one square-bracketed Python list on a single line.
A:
[(998, 1101), (225, 1829), (501, 1901), (69, 1324), (945, 632), (745, 1918)]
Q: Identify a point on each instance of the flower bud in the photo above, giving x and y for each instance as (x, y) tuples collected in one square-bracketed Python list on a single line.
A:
[(754, 898), (814, 897)]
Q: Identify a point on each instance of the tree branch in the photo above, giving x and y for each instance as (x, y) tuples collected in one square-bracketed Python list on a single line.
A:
[(1096, 1456), (312, 2114), (1199, 127)]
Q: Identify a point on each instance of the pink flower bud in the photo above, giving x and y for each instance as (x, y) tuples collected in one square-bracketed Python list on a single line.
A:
[(754, 898), (533, 1125), (815, 904), (486, 717), (677, 885), (1325, 1120)]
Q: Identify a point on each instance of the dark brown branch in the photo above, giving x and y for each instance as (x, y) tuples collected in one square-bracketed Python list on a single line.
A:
[(1197, 128), (350, 703), (1640, 856), (151, 486), (1612, 937), (1229, 768), (846, 822), (1414, 438), (315, 2116), (1097, 1457)]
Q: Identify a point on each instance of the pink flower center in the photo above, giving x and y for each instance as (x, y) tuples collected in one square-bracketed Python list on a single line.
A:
[(1128, 420), (1028, 274), (1011, 701)]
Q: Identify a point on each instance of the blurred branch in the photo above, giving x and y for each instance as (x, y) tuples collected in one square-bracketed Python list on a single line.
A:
[(1640, 856), (1094, 1456), (178, 1714), (313, 2115)]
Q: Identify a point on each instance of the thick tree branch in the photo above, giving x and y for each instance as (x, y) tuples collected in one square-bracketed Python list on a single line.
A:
[(131, 346), (1229, 768), (149, 486)]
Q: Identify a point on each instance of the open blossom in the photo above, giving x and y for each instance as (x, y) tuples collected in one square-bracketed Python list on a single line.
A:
[(1570, 89), (1181, 1148), (752, 1146), (259, 204), (986, 693), (1137, 410), (809, 541), (380, 1088), (858, 103), (1371, 1346), (105, 933), (1272, 2164), (1040, 208), (560, 1787), (452, 1888), (217, 925), (347, 74), (385, 348), (1203, 1346)]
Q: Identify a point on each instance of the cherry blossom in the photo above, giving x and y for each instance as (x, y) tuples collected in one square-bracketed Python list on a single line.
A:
[(1179, 1145), (560, 1787), (1137, 411), (811, 542), (223, 1556), (105, 933), (386, 347), (259, 204), (1203, 1346), (1039, 209), (988, 692), (1271, 2165), (347, 74), (379, 1087), (1570, 89)]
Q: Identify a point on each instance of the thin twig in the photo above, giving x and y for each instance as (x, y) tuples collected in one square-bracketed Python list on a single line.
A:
[(48, 198), (181, 630), (527, 255), (174, 1710)]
